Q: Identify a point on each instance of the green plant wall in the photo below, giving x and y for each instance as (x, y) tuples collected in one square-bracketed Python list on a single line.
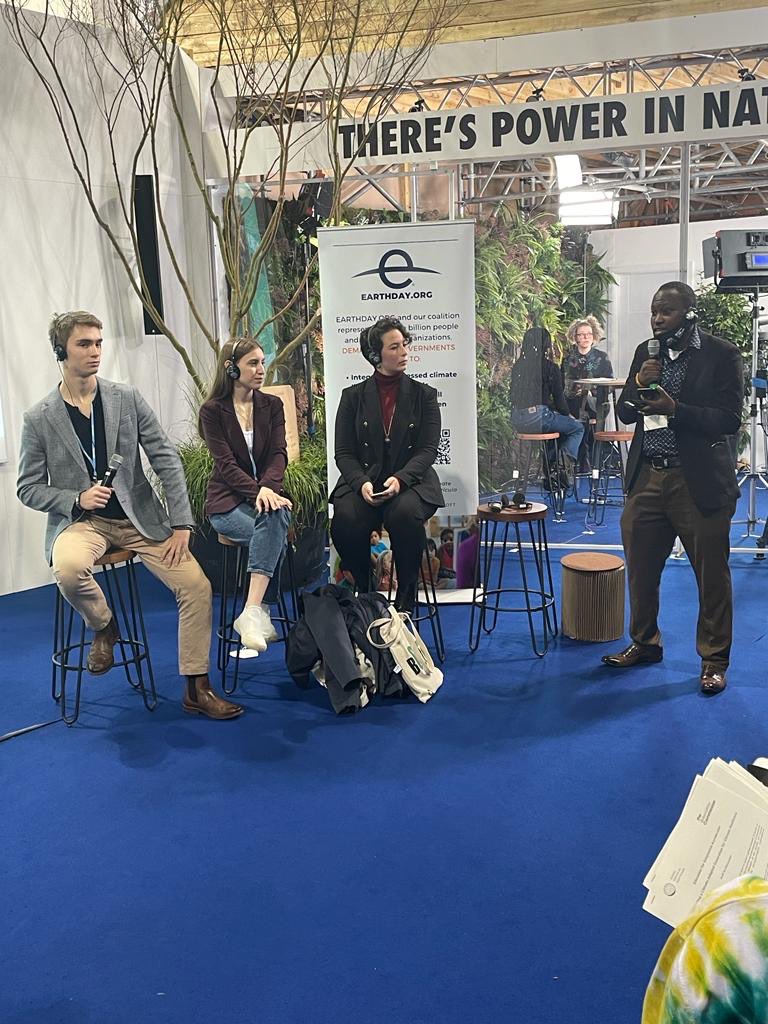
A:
[(528, 271)]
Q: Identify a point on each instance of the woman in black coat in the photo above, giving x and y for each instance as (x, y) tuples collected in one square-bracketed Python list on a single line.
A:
[(387, 435)]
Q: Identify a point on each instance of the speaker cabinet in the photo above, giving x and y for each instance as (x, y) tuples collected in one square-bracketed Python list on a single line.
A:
[(146, 233)]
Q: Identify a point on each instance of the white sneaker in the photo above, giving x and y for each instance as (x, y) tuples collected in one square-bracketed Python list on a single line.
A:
[(250, 625), (270, 633)]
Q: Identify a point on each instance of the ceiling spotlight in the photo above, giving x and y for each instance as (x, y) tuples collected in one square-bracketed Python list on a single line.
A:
[(746, 75)]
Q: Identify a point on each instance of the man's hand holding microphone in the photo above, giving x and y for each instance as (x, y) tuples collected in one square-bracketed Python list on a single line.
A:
[(99, 493), (654, 399)]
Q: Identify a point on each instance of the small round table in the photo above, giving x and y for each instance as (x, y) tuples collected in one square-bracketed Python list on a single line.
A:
[(539, 592), (612, 384)]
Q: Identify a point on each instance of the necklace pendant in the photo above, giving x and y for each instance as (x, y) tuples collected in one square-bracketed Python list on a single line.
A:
[(386, 440)]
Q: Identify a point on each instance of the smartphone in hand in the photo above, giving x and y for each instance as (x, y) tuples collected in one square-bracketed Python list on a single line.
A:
[(648, 394), (378, 495)]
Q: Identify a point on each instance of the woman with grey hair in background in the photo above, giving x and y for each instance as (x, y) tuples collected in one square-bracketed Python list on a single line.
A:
[(584, 360)]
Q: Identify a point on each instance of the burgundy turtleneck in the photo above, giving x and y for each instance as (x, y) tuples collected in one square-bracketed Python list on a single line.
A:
[(388, 388)]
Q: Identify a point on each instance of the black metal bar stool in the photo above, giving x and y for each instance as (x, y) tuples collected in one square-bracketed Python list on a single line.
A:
[(431, 613), (125, 602), (539, 593), (610, 457), (226, 636), (553, 468)]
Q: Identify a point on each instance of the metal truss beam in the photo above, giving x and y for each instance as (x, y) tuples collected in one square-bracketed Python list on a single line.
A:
[(606, 78), (723, 168)]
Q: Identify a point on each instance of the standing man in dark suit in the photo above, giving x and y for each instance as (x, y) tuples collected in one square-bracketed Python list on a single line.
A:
[(66, 441), (387, 435), (680, 478)]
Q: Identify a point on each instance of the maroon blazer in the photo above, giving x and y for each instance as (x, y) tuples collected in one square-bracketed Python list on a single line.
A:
[(232, 481)]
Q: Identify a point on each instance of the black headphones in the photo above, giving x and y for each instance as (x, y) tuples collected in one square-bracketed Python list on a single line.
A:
[(366, 347), (60, 352), (232, 370), (692, 314)]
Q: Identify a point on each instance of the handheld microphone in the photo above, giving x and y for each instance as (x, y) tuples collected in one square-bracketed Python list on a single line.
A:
[(654, 348), (114, 464)]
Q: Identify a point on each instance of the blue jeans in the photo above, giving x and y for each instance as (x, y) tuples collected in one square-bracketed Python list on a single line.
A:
[(545, 421), (263, 533)]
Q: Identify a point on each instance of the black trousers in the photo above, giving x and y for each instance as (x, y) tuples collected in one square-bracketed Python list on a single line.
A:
[(403, 517), (660, 508)]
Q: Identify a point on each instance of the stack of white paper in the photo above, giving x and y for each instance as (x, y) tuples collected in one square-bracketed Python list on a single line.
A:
[(722, 833)]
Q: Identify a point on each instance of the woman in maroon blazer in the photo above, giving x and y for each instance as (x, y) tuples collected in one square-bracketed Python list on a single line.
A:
[(245, 432)]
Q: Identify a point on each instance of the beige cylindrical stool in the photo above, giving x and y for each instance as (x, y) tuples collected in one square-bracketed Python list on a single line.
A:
[(592, 596)]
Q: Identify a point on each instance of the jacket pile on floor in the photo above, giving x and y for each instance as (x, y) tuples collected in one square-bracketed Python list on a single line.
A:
[(329, 643)]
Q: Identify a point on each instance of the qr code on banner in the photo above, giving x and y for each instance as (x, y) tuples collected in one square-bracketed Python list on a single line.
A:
[(444, 449)]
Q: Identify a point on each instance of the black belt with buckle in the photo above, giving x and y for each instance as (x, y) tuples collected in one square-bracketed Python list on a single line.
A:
[(663, 461)]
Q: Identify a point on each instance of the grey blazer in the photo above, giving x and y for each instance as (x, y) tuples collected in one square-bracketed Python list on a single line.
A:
[(52, 471)]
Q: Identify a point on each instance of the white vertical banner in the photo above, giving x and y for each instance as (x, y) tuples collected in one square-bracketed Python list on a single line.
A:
[(423, 274)]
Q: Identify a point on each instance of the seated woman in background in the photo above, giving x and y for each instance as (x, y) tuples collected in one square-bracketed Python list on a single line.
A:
[(387, 434), (584, 360), (245, 432), (536, 394)]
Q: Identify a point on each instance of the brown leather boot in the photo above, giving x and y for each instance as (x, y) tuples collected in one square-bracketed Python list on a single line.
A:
[(199, 699), (101, 656)]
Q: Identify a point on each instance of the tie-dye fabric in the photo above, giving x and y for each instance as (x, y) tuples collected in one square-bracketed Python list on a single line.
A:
[(714, 967)]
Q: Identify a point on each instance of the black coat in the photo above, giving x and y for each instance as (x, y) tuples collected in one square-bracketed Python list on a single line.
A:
[(708, 410), (333, 623), (414, 439)]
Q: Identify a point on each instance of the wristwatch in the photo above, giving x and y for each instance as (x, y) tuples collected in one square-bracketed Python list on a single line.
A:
[(77, 508), (184, 526)]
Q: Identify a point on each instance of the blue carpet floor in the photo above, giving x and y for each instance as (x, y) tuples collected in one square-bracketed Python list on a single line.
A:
[(477, 860)]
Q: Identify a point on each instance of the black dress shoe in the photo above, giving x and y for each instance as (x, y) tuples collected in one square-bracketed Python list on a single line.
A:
[(713, 680), (635, 654)]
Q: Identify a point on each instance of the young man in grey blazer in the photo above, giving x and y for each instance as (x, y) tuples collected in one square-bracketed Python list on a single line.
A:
[(66, 442)]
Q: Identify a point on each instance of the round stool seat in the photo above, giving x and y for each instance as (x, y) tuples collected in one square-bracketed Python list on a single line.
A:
[(592, 596), (115, 555), (591, 561), (538, 437), (512, 515), (614, 435)]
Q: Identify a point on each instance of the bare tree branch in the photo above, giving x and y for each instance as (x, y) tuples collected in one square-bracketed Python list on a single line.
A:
[(270, 63)]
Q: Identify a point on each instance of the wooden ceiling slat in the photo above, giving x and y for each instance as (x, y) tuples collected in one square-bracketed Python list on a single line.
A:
[(491, 19), (468, 12)]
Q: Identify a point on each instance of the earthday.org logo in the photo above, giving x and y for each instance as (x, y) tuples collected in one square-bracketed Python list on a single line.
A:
[(395, 271)]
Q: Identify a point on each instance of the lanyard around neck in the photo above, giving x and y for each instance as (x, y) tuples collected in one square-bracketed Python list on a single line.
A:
[(90, 459)]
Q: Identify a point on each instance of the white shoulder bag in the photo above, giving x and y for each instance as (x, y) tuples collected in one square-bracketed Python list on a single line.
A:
[(410, 654)]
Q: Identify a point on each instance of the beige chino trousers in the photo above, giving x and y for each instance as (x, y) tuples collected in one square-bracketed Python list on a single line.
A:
[(78, 547)]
